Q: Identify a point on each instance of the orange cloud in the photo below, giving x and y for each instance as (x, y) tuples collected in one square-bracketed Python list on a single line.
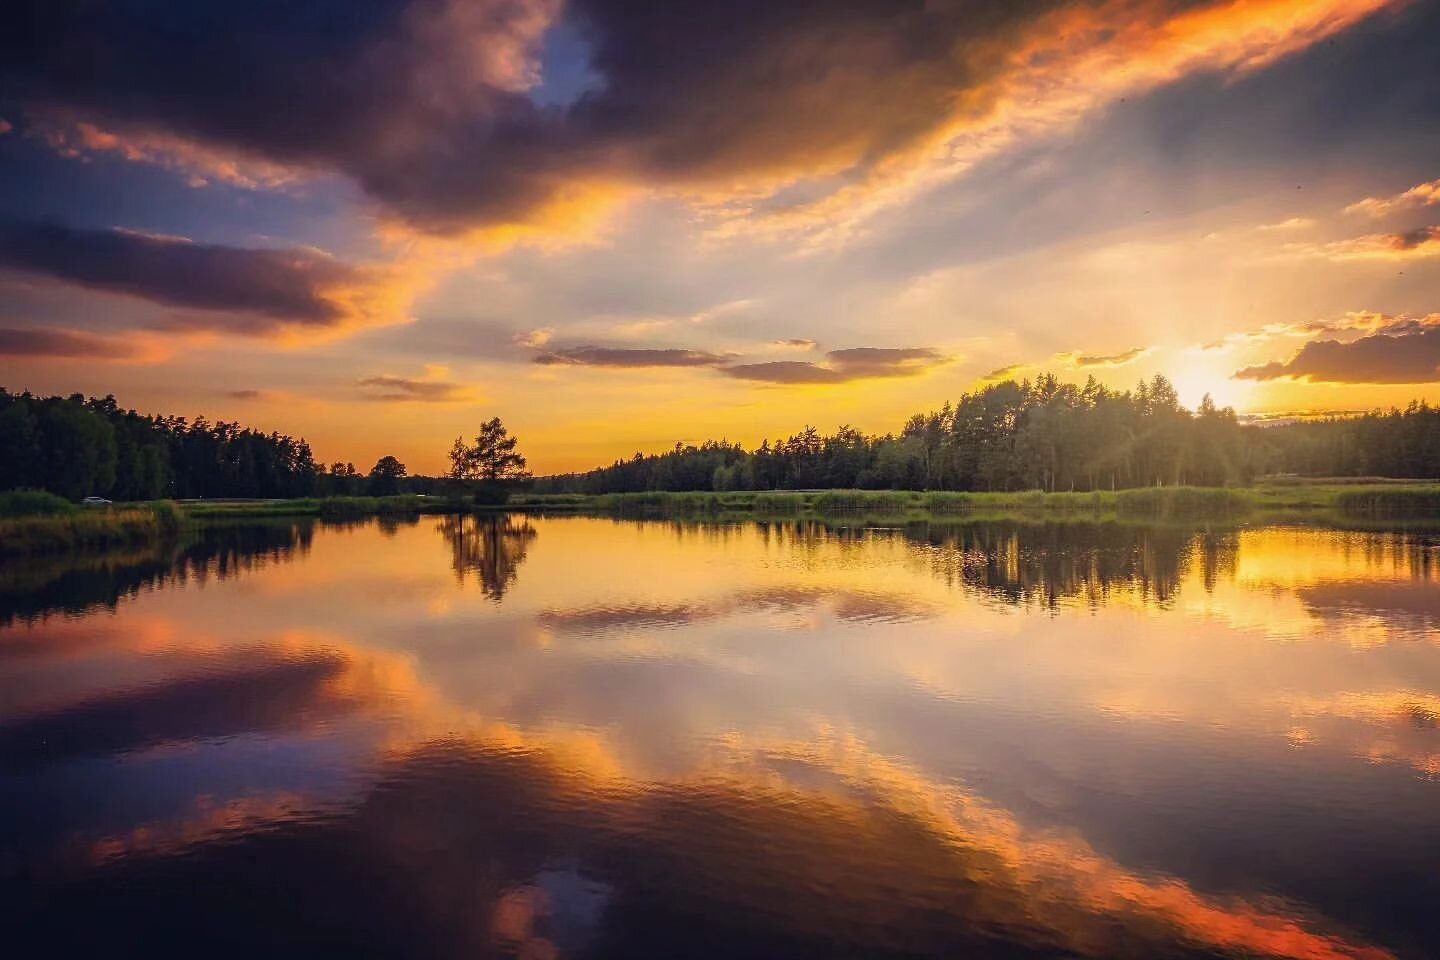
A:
[(1072, 62), (1422, 195), (869, 104), (1409, 245), (200, 164)]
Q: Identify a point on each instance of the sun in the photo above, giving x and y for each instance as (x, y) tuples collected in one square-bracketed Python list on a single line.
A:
[(1198, 374)]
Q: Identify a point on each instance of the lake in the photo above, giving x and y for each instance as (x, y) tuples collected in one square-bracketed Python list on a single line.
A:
[(554, 737)]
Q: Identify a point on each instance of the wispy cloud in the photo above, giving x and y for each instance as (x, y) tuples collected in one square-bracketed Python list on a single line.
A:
[(1083, 360), (1287, 226), (391, 388), (534, 338), (843, 366), (1406, 245), (626, 357), (1421, 195)]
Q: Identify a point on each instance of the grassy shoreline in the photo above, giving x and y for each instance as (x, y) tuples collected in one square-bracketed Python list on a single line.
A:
[(1387, 498), (65, 527), (125, 527)]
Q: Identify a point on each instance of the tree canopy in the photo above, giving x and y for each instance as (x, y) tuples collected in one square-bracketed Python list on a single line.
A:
[(1041, 434), (493, 456)]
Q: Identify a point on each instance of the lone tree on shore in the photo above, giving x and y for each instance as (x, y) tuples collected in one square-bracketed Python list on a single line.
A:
[(385, 477), (492, 460)]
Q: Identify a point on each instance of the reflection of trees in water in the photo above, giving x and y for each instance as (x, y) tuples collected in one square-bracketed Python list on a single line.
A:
[(1049, 562), (79, 582), (490, 547), (1014, 561)]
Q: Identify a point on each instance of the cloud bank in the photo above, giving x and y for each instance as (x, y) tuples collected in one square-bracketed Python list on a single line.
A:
[(239, 290), (1404, 350), (731, 100), (39, 343)]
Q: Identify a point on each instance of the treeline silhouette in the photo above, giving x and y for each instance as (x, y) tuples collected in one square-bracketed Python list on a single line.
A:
[(1035, 434), (1042, 434), (78, 447)]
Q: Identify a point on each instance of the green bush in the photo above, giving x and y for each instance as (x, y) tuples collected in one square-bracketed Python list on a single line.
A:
[(33, 503)]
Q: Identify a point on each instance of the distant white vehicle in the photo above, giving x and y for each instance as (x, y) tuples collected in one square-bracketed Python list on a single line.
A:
[(96, 502)]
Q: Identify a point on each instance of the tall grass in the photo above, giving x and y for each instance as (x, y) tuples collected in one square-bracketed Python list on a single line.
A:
[(866, 501), (1158, 502), (316, 507), (106, 529), (1182, 502), (1416, 500), (687, 503)]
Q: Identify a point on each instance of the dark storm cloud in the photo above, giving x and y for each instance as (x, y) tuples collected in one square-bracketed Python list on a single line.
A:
[(842, 366), (64, 344), (1406, 351), (272, 287), (624, 357), (424, 102)]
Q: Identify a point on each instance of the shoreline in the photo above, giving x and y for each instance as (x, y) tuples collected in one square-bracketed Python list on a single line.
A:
[(129, 525)]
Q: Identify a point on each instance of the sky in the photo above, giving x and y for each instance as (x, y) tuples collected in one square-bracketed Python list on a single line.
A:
[(622, 224)]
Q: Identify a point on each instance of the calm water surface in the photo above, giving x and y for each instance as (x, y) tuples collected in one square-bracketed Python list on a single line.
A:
[(574, 737)]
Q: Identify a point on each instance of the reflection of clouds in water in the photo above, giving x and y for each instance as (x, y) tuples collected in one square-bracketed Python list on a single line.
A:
[(511, 836), (1382, 726), (765, 821), (555, 914), (295, 682), (850, 606), (1412, 606)]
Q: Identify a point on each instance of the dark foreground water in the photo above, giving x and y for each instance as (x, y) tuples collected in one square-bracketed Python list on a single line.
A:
[(588, 738)]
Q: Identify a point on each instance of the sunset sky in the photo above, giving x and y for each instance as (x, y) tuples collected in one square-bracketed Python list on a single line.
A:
[(618, 224)]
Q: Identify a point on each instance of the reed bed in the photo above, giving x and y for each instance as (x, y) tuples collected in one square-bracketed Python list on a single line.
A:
[(1389, 501), (90, 529)]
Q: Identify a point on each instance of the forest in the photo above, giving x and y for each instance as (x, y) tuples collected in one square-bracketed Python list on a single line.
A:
[(77, 447), (1043, 434), (1039, 434)]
